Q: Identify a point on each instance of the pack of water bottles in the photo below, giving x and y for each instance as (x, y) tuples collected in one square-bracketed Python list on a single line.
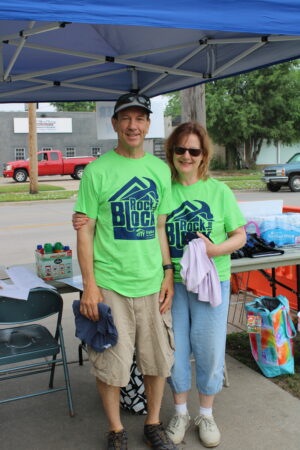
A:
[(53, 261), (282, 229)]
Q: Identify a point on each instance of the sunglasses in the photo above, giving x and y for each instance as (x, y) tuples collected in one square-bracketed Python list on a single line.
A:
[(129, 98), (192, 151)]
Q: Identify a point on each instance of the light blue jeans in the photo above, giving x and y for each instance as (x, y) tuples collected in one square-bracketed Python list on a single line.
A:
[(199, 329)]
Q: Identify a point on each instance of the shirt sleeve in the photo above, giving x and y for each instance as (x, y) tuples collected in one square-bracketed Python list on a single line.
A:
[(233, 217), (88, 195)]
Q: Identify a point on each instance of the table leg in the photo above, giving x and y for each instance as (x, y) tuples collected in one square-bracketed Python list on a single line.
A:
[(273, 283), (298, 285)]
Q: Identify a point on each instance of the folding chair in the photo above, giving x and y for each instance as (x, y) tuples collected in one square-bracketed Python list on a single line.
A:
[(28, 341)]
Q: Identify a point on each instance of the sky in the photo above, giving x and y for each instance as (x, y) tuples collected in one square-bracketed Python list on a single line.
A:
[(21, 107), (44, 107)]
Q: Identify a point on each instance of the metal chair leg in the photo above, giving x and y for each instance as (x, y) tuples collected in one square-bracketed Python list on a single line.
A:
[(66, 374), (52, 372)]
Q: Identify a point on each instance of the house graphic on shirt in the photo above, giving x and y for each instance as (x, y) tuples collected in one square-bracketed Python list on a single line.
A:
[(191, 216), (133, 208)]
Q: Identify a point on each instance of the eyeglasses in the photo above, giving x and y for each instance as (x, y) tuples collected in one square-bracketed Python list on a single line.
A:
[(192, 151), (130, 98)]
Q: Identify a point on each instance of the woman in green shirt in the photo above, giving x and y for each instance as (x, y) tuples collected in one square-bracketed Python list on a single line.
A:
[(204, 205)]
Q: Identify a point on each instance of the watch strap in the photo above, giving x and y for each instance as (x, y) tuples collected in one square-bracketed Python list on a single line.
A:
[(168, 266)]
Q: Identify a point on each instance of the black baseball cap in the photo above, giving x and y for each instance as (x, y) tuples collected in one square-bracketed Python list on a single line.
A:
[(131, 99)]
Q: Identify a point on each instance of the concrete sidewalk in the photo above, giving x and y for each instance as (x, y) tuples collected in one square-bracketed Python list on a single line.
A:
[(252, 414)]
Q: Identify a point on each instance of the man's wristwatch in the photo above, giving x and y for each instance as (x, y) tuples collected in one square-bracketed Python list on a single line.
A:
[(168, 266)]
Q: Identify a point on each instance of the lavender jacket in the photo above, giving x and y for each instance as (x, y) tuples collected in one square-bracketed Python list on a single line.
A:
[(199, 273)]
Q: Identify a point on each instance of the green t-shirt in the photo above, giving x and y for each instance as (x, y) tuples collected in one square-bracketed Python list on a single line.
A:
[(125, 196), (207, 206)]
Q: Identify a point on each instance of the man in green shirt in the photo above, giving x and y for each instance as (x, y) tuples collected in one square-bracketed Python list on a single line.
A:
[(125, 262)]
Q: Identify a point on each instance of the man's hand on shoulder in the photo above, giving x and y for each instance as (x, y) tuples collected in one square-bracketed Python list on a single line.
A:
[(79, 220), (91, 296)]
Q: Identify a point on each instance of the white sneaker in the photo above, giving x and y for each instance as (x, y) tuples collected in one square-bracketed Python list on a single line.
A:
[(177, 427), (209, 433)]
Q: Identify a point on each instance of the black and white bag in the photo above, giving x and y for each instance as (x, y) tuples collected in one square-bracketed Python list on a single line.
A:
[(133, 397)]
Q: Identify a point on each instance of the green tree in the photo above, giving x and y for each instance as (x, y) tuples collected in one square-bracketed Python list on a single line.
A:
[(173, 107), (75, 106), (245, 110)]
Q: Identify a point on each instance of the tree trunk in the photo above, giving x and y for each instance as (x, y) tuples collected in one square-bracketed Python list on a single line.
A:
[(252, 147), (32, 144), (193, 105), (231, 157), (248, 153), (256, 149)]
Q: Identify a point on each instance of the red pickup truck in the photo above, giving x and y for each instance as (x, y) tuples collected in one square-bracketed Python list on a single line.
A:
[(50, 162)]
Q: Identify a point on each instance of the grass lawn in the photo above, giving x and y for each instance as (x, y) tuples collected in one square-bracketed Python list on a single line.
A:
[(242, 181), (25, 188), (245, 184), (239, 177), (238, 347), (20, 193)]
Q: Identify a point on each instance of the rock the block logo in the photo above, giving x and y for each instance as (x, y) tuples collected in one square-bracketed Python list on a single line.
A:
[(133, 210), (189, 217)]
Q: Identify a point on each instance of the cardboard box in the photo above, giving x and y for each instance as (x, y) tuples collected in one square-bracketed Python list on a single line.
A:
[(53, 266)]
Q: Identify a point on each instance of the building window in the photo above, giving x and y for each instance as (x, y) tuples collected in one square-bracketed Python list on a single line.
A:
[(46, 149), (96, 151), (70, 151), (19, 153)]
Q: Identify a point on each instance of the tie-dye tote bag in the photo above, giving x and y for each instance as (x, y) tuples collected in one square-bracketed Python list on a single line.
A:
[(271, 330)]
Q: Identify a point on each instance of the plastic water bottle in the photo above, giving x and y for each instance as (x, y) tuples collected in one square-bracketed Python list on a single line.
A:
[(48, 248), (58, 247)]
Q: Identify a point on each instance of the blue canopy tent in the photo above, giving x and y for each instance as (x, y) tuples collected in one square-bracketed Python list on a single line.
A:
[(99, 49)]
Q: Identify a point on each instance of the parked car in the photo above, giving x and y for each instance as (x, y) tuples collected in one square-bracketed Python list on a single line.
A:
[(50, 162), (287, 174)]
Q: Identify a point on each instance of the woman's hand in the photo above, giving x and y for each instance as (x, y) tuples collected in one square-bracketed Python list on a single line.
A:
[(236, 239), (211, 249)]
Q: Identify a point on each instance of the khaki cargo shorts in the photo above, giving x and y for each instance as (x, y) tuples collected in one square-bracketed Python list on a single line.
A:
[(142, 329)]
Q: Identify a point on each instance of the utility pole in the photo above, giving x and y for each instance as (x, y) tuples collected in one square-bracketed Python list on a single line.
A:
[(193, 105), (32, 144)]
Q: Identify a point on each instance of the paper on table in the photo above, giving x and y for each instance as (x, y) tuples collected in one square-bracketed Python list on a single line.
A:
[(3, 274), (22, 281), (22, 277), (12, 291), (75, 282)]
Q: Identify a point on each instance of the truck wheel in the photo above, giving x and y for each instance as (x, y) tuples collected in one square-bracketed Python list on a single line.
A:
[(273, 187), (78, 172), (72, 175), (294, 183), (20, 176)]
